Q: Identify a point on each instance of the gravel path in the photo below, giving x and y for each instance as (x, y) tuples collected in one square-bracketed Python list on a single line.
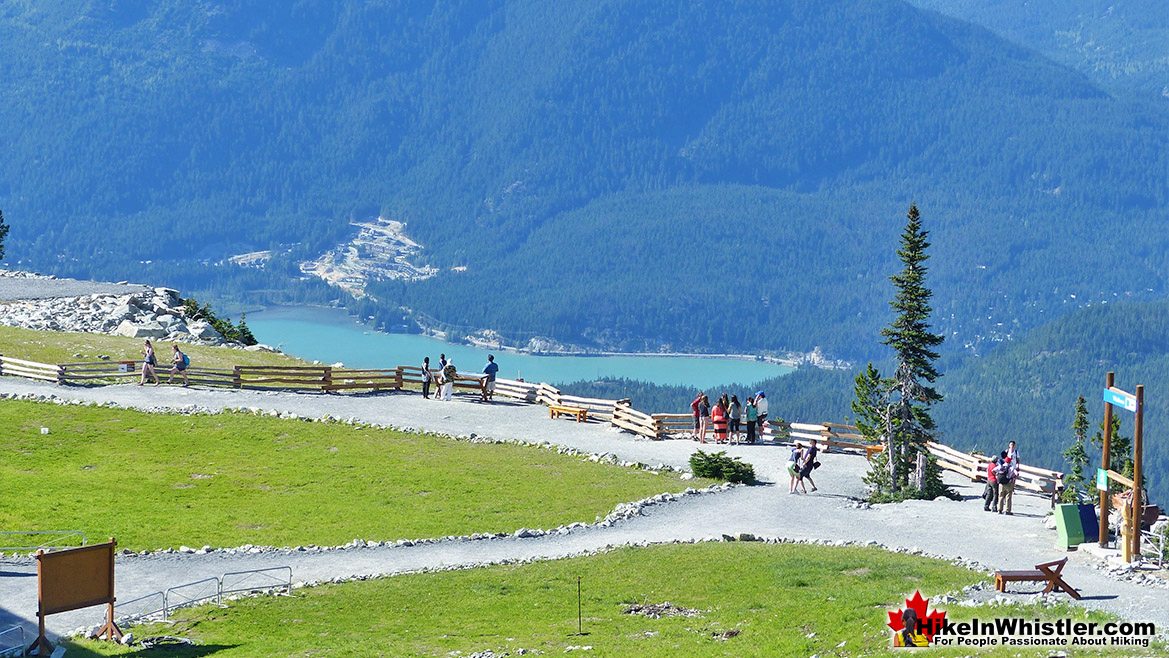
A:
[(14, 288), (951, 529)]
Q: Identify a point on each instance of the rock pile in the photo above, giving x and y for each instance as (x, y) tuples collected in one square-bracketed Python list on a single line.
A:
[(144, 313)]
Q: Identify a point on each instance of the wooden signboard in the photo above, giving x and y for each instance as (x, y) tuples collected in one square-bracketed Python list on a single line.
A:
[(75, 578)]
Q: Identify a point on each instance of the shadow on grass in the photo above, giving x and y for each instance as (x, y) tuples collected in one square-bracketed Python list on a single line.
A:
[(170, 650)]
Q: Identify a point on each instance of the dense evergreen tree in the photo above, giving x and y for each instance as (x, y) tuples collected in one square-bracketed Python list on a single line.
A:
[(1075, 490), (902, 402), (3, 234)]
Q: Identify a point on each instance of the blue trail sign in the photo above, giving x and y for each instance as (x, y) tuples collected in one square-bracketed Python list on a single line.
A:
[(1120, 398)]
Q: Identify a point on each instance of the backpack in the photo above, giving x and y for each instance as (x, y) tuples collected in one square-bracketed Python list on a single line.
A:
[(186, 360)]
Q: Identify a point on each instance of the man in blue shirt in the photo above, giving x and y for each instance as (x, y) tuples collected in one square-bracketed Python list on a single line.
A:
[(489, 385)]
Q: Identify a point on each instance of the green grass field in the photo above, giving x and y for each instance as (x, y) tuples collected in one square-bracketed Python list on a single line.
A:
[(60, 347), (783, 600), (161, 480)]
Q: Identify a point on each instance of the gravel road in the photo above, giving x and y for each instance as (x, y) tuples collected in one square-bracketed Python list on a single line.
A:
[(952, 529), (13, 288)]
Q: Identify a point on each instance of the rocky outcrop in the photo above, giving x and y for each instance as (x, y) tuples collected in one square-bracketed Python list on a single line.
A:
[(142, 313)]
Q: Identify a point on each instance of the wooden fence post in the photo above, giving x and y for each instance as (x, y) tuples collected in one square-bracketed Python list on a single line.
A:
[(236, 379), (1, 365), (327, 380), (60, 375), (398, 383)]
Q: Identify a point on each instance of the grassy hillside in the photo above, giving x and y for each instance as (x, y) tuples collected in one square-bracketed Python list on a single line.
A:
[(74, 347), (748, 600), (232, 479), (705, 176)]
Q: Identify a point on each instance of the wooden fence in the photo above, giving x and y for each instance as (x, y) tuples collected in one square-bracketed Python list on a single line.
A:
[(619, 413)]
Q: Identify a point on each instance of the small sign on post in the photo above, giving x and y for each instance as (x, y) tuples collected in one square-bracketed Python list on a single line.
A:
[(1119, 398), (1101, 479)]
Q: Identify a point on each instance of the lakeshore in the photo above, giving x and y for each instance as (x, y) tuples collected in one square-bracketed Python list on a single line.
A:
[(330, 335)]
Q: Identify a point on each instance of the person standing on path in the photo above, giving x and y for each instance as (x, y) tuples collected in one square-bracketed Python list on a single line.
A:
[(427, 377), (703, 417), (149, 362), (490, 370), (761, 405), (736, 414), (793, 468), (752, 413), (441, 362), (179, 364), (1007, 473), (991, 494), (1013, 454), (809, 464), (719, 417), (448, 380)]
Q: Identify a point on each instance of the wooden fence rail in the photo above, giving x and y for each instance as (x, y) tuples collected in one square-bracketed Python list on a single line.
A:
[(619, 413)]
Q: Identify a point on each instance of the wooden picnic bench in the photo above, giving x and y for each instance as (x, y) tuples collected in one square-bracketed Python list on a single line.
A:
[(1048, 572), (556, 410)]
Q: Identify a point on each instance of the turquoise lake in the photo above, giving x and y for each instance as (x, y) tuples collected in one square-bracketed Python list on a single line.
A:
[(330, 335)]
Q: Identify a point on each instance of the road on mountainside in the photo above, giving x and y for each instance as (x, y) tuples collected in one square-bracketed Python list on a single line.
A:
[(947, 528), (13, 288)]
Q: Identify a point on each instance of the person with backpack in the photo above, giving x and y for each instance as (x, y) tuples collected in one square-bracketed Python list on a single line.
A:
[(448, 380), (735, 413), (809, 464), (1007, 473), (427, 377), (991, 493), (752, 414), (180, 362)]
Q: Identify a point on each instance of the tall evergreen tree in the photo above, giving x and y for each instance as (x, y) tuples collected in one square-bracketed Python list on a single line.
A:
[(1076, 455), (909, 393), (3, 234)]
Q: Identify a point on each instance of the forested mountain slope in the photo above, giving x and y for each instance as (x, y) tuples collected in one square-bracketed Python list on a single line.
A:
[(627, 173), (1122, 45)]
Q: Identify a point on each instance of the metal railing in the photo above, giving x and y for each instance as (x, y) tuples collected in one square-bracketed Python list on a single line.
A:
[(12, 642), (256, 580), (252, 581), (176, 597), (49, 539)]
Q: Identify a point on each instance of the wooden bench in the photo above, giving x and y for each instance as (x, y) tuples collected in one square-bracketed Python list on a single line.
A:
[(1048, 572), (556, 410), (873, 450)]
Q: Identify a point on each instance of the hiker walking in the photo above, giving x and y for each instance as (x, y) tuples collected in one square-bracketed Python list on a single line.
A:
[(809, 464), (149, 362), (179, 364), (489, 385), (793, 468), (427, 377)]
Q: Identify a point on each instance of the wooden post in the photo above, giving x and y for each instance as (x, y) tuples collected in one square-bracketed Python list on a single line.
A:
[(1106, 462), (398, 374), (327, 380), (111, 631), (1, 365), (236, 380), (60, 375), (41, 646), (1138, 504)]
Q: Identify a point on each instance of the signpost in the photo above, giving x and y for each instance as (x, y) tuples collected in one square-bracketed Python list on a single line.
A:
[(1115, 397)]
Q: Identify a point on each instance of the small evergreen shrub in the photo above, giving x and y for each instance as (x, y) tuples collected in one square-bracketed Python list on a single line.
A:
[(719, 466), (237, 333)]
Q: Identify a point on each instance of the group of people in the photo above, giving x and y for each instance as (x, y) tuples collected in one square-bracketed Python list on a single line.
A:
[(446, 374), (728, 417), (1001, 474), (179, 364)]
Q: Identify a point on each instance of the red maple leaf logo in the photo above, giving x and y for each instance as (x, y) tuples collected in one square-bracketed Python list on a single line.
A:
[(928, 623)]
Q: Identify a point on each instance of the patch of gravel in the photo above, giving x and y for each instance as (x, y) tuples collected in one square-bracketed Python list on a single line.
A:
[(24, 285)]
